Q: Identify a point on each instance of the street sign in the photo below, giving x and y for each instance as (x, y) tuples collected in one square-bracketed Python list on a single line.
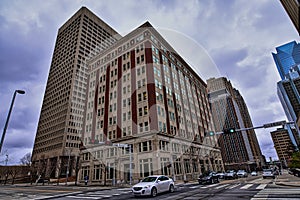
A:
[(280, 123)]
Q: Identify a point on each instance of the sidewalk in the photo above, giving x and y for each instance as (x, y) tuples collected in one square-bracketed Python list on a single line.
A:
[(287, 179)]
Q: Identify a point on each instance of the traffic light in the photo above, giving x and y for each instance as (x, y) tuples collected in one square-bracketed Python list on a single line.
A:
[(209, 133), (229, 130)]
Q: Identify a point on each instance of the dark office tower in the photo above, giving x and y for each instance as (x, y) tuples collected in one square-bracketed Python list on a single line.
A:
[(240, 149), (292, 7), (58, 136)]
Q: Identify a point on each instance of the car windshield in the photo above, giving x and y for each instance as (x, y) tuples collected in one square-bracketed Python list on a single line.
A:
[(267, 170), (149, 179)]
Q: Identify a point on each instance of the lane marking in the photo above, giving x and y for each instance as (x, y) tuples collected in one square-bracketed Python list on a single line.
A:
[(261, 186), (246, 186)]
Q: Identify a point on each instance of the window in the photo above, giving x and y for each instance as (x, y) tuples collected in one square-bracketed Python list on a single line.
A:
[(140, 112), (124, 132), (129, 115), (145, 110), (139, 97), (144, 95), (141, 127), (146, 126), (124, 116), (146, 167), (142, 58), (138, 71), (163, 145), (165, 166), (145, 146), (97, 172)]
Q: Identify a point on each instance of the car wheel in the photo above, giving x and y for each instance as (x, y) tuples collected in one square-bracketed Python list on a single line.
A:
[(171, 188), (154, 192)]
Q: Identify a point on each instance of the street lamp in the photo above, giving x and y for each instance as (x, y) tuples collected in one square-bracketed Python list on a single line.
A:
[(8, 116)]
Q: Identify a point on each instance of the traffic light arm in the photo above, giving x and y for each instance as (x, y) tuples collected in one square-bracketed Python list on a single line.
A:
[(268, 125)]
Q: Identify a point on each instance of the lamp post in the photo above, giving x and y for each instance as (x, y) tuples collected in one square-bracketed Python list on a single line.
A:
[(8, 116)]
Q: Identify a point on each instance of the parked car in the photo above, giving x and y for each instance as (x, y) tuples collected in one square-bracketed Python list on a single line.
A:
[(221, 175), (268, 173), (209, 178), (295, 171), (242, 173), (230, 174), (152, 185), (254, 173), (42, 180)]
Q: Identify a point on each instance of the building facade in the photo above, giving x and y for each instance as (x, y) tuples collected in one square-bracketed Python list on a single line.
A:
[(287, 60), (60, 124), (283, 145), (292, 7), (147, 113), (239, 149), (288, 92)]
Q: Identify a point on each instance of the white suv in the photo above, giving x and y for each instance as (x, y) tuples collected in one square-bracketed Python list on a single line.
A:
[(268, 173), (152, 185), (242, 173)]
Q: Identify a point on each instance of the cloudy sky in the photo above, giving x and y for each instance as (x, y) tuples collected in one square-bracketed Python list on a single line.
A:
[(232, 38)]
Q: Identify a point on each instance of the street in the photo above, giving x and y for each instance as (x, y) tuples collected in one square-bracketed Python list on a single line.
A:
[(254, 188)]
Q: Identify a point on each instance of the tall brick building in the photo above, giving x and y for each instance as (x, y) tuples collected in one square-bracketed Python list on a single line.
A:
[(141, 93), (60, 124)]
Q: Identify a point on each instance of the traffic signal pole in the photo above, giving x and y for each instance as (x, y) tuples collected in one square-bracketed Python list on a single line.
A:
[(268, 125)]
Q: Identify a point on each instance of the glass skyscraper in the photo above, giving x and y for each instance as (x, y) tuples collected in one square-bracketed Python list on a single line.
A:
[(287, 60)]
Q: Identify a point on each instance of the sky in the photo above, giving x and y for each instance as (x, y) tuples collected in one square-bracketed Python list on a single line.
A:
[(230, 38)]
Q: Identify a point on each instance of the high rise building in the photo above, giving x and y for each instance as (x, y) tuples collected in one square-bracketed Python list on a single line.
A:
[(60, 124), (287, 60), (292, 7), (147, 113), (283, 145), (229, 110)]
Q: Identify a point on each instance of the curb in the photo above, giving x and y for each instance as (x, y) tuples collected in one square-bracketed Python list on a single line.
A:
[(288, 184)]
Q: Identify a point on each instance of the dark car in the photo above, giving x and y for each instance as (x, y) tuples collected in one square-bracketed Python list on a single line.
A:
[(41, 180), (209, 178), (294, 171)]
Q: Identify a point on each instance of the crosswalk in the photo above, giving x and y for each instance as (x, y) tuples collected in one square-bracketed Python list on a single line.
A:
[(232, 186), (107, 194), (278, 193), (104, 194)]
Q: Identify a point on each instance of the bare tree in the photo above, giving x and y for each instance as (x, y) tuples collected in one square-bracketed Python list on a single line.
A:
[(26, 159)]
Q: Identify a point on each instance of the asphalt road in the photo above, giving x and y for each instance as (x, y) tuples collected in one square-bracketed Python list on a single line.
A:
[(255, 188)]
